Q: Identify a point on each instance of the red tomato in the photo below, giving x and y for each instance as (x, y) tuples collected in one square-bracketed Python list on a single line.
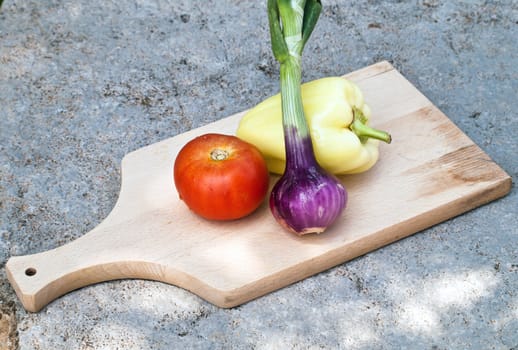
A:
[(221, 177)]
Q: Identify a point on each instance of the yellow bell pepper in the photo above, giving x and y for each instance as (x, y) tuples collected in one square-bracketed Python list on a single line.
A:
[(337, 117)]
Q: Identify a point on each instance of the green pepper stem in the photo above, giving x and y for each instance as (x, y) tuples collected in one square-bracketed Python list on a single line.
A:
[(363, 131)]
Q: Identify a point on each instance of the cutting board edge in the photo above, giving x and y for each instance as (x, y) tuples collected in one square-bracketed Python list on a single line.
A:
[(228, 298), (34, 301), (340, 255)]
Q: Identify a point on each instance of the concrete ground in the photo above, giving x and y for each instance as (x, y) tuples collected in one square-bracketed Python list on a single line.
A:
[(84, 82)]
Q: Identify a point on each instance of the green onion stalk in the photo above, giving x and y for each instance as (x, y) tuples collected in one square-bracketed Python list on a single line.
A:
[(306, 199)]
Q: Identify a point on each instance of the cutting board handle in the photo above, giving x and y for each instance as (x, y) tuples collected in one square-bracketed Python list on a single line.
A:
[(41, 278), (110, 250)]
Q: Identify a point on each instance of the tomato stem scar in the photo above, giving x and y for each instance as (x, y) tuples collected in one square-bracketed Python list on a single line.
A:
[(218, 154)]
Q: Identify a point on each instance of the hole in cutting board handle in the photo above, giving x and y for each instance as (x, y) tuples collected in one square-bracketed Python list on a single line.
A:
[(30, 271)]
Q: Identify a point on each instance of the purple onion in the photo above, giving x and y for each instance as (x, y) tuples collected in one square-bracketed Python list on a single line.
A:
[(307, 199)]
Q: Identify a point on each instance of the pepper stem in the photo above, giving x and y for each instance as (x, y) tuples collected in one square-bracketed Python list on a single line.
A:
[(365, 132)]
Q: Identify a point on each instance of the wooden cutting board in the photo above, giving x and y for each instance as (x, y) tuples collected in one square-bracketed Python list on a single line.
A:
[(431, 172)]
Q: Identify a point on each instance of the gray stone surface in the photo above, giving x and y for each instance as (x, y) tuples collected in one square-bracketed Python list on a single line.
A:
[(84, 82)]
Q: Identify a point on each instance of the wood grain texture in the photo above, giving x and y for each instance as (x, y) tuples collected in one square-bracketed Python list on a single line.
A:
[(431, 172)]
